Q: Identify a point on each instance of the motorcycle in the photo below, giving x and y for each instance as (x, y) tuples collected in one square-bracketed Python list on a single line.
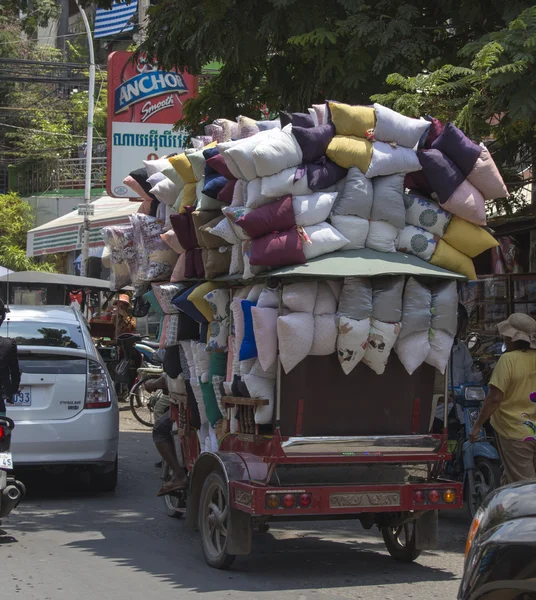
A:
[(11, 490), (477, 465)]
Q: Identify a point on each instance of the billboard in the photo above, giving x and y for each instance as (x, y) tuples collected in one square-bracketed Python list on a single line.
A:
[(143, 104)]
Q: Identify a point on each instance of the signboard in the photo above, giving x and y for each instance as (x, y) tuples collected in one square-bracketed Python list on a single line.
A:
[(86, 210), (143, 104)]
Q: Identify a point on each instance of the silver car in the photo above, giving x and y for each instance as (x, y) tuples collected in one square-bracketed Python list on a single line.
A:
[(66, 411)]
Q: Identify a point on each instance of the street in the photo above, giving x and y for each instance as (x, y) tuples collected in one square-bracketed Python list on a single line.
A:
[(65, 543)]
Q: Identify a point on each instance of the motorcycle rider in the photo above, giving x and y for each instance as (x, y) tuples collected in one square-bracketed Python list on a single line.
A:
[(9, 367)]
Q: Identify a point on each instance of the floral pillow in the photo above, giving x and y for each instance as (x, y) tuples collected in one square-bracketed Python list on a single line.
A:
[(425, 213)]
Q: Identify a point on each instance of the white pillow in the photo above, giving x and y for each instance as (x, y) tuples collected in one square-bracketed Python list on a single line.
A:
[(156, 166), (219, 301), (380, 342), (355, 300), (323, 238), (285, 183), (255, 292), (417, 241), (352, 342), (156, 178), (300, 297), (445, 306), (226, 231), (259, 387), (229, 160), (189, 354), (166, 191), (242, 154), (237, 260), (313, 208), (416, 308), (269, 298), (387, 160), (238, 193), (295, 333), (202, 361), (354, 229), (280, 151), (388, 204), (170, 173), (246, 366), (265, 328), (197, 161), (413, 350), (254, 197), (198, 395), (336, 287), (382, 236), (391, 126), (325, 336), (314, 116), (326, 303), (233, 213), (238, 323), (440, 347)]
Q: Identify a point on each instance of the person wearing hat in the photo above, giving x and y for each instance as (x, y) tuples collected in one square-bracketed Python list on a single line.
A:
[(126, 321), (511, 400), (9, 367)]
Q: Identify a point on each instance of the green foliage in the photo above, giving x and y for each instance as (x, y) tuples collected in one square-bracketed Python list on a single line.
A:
[(16, 218)]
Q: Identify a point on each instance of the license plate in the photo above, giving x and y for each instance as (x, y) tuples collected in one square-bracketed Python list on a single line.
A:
[(6, 460), (24, 397)]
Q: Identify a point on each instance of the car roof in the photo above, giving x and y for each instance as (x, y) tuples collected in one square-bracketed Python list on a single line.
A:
[(47, 313)]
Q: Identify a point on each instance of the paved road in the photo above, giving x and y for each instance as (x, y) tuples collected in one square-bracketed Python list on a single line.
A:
[(65, 543)]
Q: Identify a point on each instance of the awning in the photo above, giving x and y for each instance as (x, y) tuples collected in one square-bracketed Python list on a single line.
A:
[(40, 278), (65, 233)]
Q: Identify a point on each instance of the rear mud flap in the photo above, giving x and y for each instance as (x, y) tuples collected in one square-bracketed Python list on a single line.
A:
[(427, 531)]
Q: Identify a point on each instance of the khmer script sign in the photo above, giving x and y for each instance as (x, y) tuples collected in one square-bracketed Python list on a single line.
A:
[(144, 102)]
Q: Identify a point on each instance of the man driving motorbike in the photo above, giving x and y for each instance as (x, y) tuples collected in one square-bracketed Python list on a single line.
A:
[(9, 367)]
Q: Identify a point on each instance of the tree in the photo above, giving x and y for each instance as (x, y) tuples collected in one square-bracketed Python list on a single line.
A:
[(16, 218), (288, 54)]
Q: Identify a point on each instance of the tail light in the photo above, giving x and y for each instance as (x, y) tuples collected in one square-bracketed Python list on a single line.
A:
[(2, 433), (97, 390), (419, 497), (288, 501), (306, 500), (449, 496), (434, 496)]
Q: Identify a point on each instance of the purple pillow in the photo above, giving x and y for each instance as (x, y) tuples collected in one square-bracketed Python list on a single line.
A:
[(314, 140), (458, 147), (297, 119), (198, 263), (323, 173), (217, 163), (226, 194), (183, 226), (434, 131), (417, 181), (189, 264), (277, 216), (441, 173), (277, 249)]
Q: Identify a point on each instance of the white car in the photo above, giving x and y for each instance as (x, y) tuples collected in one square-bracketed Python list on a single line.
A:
[(66, 411)]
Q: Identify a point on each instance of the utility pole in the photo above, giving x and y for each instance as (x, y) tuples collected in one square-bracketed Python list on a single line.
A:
[(86, 207)]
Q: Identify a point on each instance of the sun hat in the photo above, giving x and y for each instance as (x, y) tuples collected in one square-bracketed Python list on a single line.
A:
[(519, 327)]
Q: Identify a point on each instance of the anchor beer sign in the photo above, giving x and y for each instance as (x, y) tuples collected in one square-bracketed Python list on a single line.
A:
[(143, 104)]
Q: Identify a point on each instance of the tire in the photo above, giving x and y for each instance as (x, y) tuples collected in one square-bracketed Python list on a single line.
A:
[(139, 404), (214, 512), (400, 542), (487, 477), (175, 504), (106, 481)]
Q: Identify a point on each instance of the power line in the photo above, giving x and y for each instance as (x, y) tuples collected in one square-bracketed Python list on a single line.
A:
[(49, 37), (47, 132)]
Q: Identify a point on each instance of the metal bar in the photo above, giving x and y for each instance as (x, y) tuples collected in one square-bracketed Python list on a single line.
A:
[(278, 376)]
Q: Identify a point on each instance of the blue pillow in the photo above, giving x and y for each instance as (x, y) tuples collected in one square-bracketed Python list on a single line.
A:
[(151, 299), (210, 153), (214, 183), (186, 306), (248, 349)]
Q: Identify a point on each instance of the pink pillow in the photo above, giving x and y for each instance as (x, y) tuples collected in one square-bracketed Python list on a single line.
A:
[(468, 203), (145, 207), (179, 270), (218, 164), (277, 249), (278, 216), (171, 239), (486, 177), (136, 187)]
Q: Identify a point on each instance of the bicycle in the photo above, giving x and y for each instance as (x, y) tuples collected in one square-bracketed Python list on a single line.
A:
[(141, 401)]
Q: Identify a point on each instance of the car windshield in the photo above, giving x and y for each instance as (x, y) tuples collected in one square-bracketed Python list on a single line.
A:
[(33, 333)]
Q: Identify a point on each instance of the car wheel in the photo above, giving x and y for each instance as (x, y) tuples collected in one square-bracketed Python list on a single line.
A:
[(106, 481)]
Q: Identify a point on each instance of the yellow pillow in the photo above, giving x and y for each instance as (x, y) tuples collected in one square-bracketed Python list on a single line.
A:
[(453, 260), (187, 197), (468, 238), (349, 151), (182, 165), (352, 120), (198, 300)]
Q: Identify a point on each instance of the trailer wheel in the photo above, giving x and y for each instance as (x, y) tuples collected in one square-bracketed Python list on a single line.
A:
[(214, 513), (400, 542)]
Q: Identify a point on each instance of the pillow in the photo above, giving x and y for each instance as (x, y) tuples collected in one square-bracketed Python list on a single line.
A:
[(436, 128), (382, 237), (268, 298), (413, 350), (197, 161), (170, 173), (468, 203), (354, 229), (254, 197), (200, 219), (349, 151), (156, 166), (214, 184), (219, 301), (417, 182), (440, 346), (248, 348), (447, 257), (258, 371), (416, 308), (242, 155), (325, 335), (151, 299), (324, 173), (300, 297), (166, 191), (426, 214), (205, 202), (417, 241), (280, 151), (246, 127), (312, 209), (238, 193), (188, 329), (139, 186), (278, 216), (352, 120), (391, 126), (237, 260), (325, 303), (266, 125), (163, 332), (229, 128), (182, 165), (237, 323), (357, 196), (250, 269), (186, 198), (119, 240), (380, 342), (260, 387), (161, 212), (187, 306), (277, 249), (183, 226), (387, 298), (216, 262), (468, 238), (197, 298), (255, 292), (225, 231), (209, 400), (388, 204), (156, 259), (458, 147), (355, 301), (322, 239), (352, 342), (289, 181), (388, 160), (156, 178), (265, 330), (445, 306), (226, 193), (295, 333), (313, 141), (486, 177), (298, 119), (210, 240), (233, 214), (164, 294), (320, 110), (442, 174), (193, 266), (172, 330)]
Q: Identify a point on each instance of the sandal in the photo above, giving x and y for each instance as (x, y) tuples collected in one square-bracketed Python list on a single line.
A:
[(167, 489)]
